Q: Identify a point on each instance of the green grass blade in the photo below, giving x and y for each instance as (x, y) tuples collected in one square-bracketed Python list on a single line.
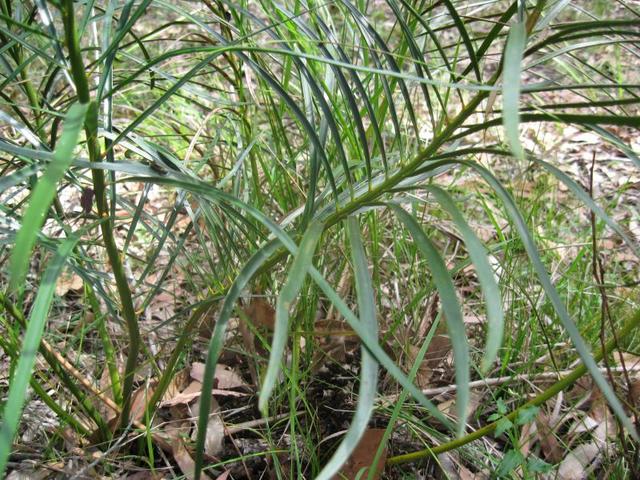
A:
[(486, 277), (295, 279), (584, 197), (464, 35), (553, 296), (451, 308), (44, 194), (369, 372), (376, 350), (511, 87), (215, 195), (35, 327), (217, 341)]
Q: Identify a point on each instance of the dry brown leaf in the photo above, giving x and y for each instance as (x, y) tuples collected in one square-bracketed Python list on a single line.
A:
[(184, 460), (630, 360), (186, 396), (466, 474), (261, 313), (576, 465), (438, 350), (29, 473), (606, 426), (448, 407), (527, 436), (226, 377), (634, 391), (424, 373), (214, 441), (363, 456), (139, 402), (178, 383), (145, 475), (551, 448), (176, 433), (68, 282)]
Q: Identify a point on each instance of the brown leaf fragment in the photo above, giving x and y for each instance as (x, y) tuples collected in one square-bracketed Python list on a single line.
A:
[(261, 313), (630, 360), (178, 383), (185, 461), (68, 282), (226, 377), (634, 391), (424, 373), (186, 396), (551, 448), (606, 426), (363, 456), (86, 200), (139, 403), (579, 462), (214, 440)]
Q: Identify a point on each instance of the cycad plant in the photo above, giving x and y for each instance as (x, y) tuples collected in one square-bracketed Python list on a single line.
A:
[(258, 146)]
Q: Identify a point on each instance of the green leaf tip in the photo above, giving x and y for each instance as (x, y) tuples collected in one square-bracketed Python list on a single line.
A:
[(43, 195), (511, 86)]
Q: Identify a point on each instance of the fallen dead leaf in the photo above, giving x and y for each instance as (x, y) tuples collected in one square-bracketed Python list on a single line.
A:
[(139, 402), (634, 391), (261, 313), (551, 448), (606, 426), (424, 373), (363, 456), (186, 396), (178, 383), (214, 441), (630, 360), (577, 463), (226, 377), (184, 460), (68, 282), (448, 407)]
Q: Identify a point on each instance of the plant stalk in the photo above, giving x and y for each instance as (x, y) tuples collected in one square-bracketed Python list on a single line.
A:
[(106, 226)]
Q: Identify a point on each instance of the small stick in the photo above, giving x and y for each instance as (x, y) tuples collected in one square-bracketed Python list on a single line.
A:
[(532, 377)]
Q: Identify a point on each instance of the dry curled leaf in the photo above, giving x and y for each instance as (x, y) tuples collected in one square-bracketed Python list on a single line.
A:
[(363, 455)]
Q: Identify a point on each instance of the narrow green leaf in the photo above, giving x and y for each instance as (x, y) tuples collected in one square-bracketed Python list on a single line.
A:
[(44, 193), (217, 341), (295, 279), (488, 283), (588, 201), (35, 327), (451, 308), (552, 294), (371, 342), (511, 86), (369, 372)]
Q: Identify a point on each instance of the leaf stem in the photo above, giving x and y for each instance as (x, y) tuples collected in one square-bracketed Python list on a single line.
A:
[(115, 260)]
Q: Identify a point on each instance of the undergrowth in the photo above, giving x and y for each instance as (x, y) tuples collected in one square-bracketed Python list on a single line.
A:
[(403, 221)]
